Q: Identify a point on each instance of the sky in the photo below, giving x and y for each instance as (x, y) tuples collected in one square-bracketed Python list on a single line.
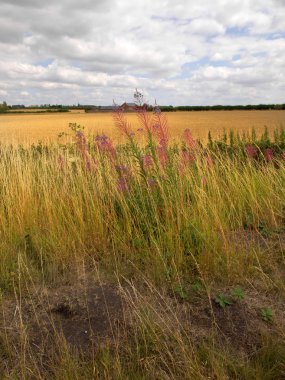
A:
[(181, 52)]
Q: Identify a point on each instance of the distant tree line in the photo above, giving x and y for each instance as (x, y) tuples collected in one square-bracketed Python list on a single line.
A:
[(3, 107), (65, 108), (224, 108), (18, 108)]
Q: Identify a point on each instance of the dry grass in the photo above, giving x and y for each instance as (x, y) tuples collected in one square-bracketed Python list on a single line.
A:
[(32, 128), (166, 230)]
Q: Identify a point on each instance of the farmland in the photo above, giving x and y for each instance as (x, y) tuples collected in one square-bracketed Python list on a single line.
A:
[(144, 260), (46, 127)]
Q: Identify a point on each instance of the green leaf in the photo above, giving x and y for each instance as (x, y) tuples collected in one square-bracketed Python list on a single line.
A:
[(222, 301), (181, 292), (267, 314), (197, 286), (238, 293)]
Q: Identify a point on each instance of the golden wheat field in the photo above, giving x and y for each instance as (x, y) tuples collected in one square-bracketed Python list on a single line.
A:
[(29, 128)]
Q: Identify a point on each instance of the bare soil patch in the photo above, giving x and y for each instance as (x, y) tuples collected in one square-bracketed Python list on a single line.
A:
[(84, 315), (90, 316)]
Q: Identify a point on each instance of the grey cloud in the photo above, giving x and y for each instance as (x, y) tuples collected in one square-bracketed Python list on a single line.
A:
[(20, 3), (65, 4), (10, 31), (92, 49)]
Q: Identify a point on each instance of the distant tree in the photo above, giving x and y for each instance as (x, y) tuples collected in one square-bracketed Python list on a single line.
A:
[(3, 107)]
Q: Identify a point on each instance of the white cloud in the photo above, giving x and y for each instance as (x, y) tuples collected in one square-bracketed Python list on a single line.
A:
[(3, 93), (206, 27), (182, 52)]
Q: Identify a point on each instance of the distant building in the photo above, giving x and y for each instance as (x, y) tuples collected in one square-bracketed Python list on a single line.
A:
[(128, 107)]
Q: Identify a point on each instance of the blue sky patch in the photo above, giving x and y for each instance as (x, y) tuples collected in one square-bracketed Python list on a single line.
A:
[(44, 63)]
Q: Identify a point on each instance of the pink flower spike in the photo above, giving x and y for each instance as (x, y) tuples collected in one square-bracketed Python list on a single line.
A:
[(151, 183), (268, 154), (121, 122), (105, 145), (122, 184), (184, 160), (209, 161), (147, 161), (191, 143), (251, 151), (80, 141), (162, 155), (160, 129)]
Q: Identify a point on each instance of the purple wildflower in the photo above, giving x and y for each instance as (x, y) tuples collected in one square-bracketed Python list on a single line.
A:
[(163, 142), (105, 145), (251, 151), (81, 142), (151, 183), (268, 154), (122, 184), (162, 155), (147, 161), (160, 129), (122, 169), (101, 138), (186, 158)]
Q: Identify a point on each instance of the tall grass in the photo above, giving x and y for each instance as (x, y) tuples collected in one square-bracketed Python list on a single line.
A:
[(166, 209), (160, 216)]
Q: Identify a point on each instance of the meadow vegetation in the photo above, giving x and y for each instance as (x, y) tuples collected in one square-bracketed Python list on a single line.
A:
[(149, 259)]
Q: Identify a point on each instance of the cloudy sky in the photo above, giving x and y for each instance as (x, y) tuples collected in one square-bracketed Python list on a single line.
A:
[(178, 52)]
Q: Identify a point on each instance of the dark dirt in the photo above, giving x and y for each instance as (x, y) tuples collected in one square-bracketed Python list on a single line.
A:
[(85, 316), (91, 315), (236, 325)]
